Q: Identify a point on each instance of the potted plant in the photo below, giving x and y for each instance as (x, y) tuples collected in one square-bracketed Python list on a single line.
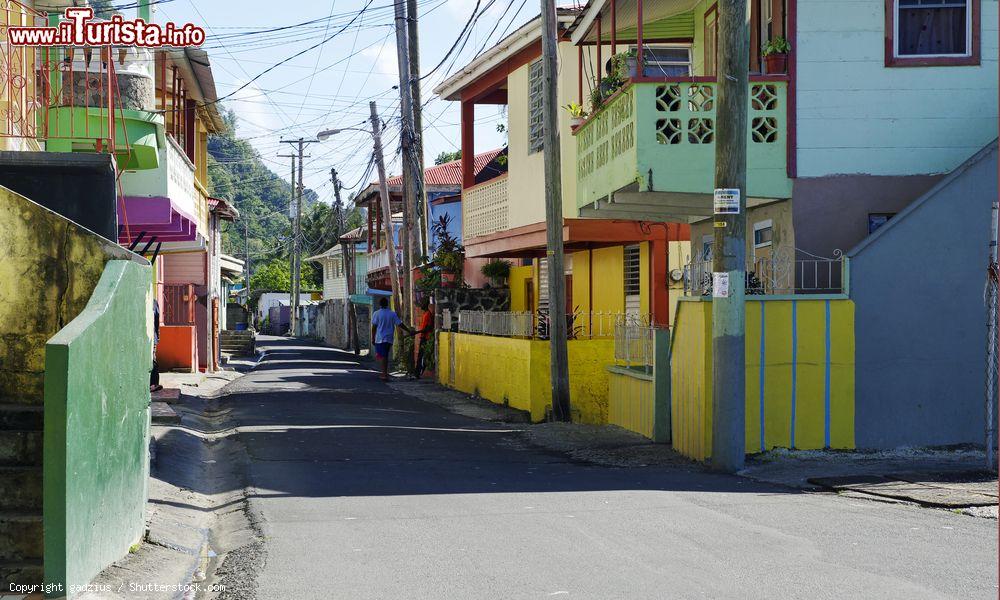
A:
[(576, 113), (449, 255), (497, 271), (775, 54)]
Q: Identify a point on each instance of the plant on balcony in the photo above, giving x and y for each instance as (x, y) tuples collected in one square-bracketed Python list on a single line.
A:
[(576, 112), (618, 75), (775, 54), (449, 255), (497, 271)]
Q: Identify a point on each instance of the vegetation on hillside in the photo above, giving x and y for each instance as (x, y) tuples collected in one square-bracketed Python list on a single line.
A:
[(239, 174)]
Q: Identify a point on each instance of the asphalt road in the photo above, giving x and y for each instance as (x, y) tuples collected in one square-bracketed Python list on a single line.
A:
[(366, 493)]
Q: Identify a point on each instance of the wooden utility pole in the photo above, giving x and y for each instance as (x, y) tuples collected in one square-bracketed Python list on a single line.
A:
[(293, 255), (246, 258), (729, 247), (559, 357), (383, 189), (347, 252), (412, 174), (297, 188), (423, 208)]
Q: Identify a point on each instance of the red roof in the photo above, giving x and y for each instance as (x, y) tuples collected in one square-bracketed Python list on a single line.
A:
[(449, 173)]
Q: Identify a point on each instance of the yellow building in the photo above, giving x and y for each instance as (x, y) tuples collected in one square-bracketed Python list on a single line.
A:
[(613, 267)]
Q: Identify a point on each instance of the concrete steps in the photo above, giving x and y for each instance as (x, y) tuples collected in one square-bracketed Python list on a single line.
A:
[(21, 537), (20, 488), (237, 342)]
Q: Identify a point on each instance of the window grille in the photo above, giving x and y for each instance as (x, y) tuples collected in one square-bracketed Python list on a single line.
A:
[(536, 93)]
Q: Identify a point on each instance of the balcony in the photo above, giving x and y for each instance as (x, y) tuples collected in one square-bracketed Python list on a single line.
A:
[(649, 151), (485, 208), (165, 202), (379, 260)]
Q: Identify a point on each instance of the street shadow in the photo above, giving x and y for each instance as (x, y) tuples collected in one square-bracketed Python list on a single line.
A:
[(331, 429)]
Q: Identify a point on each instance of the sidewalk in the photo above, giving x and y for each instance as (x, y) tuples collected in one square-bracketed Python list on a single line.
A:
[(947, 479), (952, 479), (189, 482)]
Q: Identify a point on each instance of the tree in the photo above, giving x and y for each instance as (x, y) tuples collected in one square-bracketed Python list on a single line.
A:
[(273, 276), (447, 157)]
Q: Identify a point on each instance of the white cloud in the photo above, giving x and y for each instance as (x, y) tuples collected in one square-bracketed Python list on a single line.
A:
[(384, 59)]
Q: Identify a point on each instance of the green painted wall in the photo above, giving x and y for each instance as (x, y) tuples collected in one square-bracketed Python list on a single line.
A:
[(856, 116), (97, 427)]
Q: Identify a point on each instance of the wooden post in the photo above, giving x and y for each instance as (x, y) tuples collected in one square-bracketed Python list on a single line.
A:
[(412, 176), (423, 206), (600, 59), (558, 353), (729, 247), (614, 28), (640, 58), (468, 144), (384, 194)]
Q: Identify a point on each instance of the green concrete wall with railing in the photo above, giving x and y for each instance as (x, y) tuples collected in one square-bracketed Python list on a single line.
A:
[(97, 428)]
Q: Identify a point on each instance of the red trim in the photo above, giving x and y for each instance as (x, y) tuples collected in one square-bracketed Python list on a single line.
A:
[(891, 60), (579, 74), (600, 61), (468, 143), (640, 57), (614, 28), (498, 75), (755, 15), (791, 116), (715, 51)]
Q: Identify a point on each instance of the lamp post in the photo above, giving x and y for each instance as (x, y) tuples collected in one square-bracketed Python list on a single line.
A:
[(376, 133)]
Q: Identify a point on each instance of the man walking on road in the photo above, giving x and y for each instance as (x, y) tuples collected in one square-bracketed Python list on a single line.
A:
[(384, 324)]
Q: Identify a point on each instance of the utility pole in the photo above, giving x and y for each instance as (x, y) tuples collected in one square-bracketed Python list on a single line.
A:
[(412, 174), (347, 252), (295, 245), (386, 209), (412, 20), (246, 257), (558, 352), (729, 245), (297, 234)]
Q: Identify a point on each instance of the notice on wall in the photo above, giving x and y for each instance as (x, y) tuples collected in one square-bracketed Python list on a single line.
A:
[(720, 285), (727, 202)]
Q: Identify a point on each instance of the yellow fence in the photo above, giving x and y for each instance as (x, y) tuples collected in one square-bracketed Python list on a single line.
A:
[(799, 375), (630, 400), (515, 372)]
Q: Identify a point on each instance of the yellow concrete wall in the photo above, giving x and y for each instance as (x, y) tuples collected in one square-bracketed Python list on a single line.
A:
[(526, 182), (799, 375), (516, 372), (630, 402)]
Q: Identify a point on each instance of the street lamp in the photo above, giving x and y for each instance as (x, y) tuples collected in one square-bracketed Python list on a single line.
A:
[(327, 133)]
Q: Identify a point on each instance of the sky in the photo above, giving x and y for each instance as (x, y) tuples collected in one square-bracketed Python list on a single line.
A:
[(330, 86)]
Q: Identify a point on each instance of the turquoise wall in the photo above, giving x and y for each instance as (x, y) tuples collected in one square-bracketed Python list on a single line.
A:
[(97, 428), (855, 116)]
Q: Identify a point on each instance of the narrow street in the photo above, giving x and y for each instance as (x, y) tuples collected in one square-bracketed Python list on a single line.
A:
[(368, 493)]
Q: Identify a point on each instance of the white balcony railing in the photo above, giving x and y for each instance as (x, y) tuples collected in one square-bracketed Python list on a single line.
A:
[(379, 259), (485, 208)]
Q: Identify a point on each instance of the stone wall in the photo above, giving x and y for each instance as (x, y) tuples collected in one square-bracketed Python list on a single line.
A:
[(334, 332), (488, 299)]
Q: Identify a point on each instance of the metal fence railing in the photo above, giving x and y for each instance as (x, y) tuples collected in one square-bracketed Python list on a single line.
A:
[(782, 273), (635, 345), (579, 325)]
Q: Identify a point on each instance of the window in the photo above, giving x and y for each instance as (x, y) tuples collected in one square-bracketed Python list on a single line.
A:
[(706, 247), (876, 220), (763, 234), (632, 270), (932, 32), (665, 61), (633, 301), (536, 132)]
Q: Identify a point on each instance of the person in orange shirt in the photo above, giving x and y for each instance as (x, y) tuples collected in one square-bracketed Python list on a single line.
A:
[(425, 329)]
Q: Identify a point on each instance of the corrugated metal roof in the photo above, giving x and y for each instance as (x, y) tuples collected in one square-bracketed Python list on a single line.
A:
[(449, 173)]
